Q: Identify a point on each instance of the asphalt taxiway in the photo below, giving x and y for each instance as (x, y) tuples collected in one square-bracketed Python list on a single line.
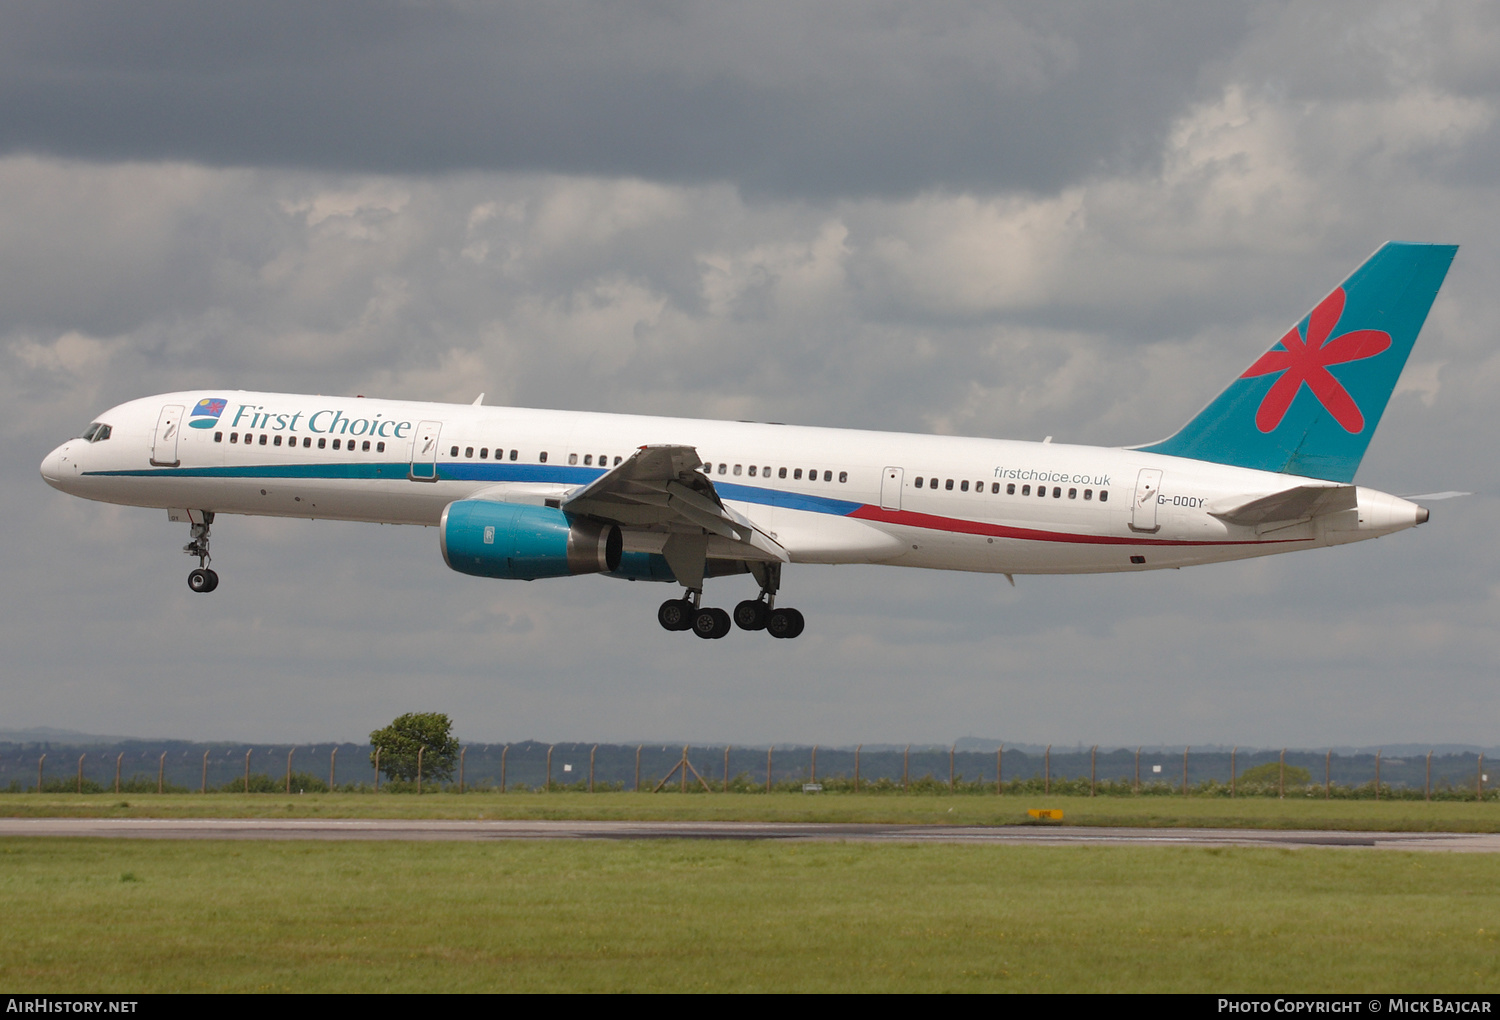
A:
[(483, 829)]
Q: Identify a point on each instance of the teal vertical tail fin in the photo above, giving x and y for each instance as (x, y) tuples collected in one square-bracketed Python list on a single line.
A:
[(1310, 404)]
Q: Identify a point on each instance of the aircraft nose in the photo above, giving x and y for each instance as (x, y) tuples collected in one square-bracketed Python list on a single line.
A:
[(55, 465)]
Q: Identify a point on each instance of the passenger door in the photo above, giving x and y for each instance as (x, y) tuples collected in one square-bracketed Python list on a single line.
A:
[(424, 452), (891, 482), (164, 443), (1143, 511)]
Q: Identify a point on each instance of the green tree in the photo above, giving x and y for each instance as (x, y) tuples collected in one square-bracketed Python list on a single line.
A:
[(1270, 774), (399, 742)]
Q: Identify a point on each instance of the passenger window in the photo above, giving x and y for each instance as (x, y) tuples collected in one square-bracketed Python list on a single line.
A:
[(514, 454), (452, 453), (1057, 492), (542, 457), (307, 443), (781, 473), (588, 460), (1088, 494), (617, 460), (796, 475), (484, 452), (963, 486), (262, 439), (723, 468), (572, 458), (277, 441), (1072, 493), (468, 451), (995, 489), (365, 446), (322, 442), (218, 437), (843, 476), (234, 437), (1025, 490), (827, 476), (335, 444), (948, 485), (766, 471), (919, 481), (752, 470), (380, 447), (736, 470), (603, 459), (1104, 495), (1010, 489)]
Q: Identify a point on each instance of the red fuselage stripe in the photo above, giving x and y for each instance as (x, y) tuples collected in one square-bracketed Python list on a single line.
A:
[(932, 522)]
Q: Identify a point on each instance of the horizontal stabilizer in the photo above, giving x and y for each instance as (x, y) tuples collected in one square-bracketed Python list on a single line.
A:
[(1300, 503)]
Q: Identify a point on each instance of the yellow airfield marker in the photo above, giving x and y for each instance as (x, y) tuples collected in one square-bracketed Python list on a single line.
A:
[(1054, 814)]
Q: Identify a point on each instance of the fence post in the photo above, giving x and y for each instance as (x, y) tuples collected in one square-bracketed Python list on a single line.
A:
[(290, 751), (333, 761), (247, 769), (1478, 778), (202, 789), (1328, 774), (1232, 752), (81, 757), (1136, 787), (726, 768), (637, 768), (39, 763), (1047, 770), (856, 766), (1093, 758), (377, 770), (1377, 772), (549, 767), (503, 752), (1281, 777), (421, 749), (464, 750), (1185, 751), (682, 787), (951, 752), (815, 763), (161, 771), (1427, 786), (768, 767), (592, 751), (118, 759), (906, 769)]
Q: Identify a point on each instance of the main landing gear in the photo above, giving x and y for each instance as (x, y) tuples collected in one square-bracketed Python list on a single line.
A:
[(204, 579), (688, 612)]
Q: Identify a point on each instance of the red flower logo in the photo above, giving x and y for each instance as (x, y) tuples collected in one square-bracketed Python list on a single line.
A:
[(1307, 362)]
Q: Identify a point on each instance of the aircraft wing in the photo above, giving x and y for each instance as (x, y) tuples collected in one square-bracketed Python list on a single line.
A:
[(661, 488), (1301, 503)]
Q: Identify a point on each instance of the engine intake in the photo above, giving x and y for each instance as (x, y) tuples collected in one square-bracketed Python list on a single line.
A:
[(514, 540)]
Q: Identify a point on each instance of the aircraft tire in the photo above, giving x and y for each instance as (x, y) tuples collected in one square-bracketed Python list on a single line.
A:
[(785, 623), (213, 579), (711, 623), (751, 614), (675, 614), (201, 580)]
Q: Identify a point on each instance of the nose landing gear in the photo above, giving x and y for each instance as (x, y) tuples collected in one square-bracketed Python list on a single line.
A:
[(204, 579)]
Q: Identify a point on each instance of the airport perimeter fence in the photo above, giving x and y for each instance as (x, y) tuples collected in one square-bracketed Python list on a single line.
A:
[(533, 766)]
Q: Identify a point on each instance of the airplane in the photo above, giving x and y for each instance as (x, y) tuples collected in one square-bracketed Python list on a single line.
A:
[(518, 493)]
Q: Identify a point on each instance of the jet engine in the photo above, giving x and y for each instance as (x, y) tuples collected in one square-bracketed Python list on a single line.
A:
[(522, 542)]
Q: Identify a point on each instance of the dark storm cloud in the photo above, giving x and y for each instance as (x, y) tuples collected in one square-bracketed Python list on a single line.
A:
[(790, 99)]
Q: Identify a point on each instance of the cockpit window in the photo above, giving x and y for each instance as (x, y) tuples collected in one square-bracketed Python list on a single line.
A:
[(98, 432)]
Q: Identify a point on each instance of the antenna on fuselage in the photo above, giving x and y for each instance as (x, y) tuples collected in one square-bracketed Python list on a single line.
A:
[(478, 400)]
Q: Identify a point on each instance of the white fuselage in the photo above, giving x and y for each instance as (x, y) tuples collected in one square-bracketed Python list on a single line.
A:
[(826, 495)]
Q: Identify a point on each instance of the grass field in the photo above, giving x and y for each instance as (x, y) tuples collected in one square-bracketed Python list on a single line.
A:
[(1247, 812), (147, 915)]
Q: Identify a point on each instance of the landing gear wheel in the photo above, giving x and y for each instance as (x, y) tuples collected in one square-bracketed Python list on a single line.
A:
[(213, 579), (711, 623), (785, 623), (676, 614), (751, 615), (202, 580)]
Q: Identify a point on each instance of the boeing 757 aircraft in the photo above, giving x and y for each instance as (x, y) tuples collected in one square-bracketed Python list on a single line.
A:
[(1267, 467)]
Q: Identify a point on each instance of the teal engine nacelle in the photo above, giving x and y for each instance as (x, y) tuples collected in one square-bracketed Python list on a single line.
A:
[(514, 540)]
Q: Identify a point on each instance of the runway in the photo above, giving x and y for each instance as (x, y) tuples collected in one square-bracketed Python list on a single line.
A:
[(481, 830)]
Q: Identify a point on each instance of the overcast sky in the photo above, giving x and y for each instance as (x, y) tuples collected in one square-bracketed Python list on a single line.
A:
[(998, 220)]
